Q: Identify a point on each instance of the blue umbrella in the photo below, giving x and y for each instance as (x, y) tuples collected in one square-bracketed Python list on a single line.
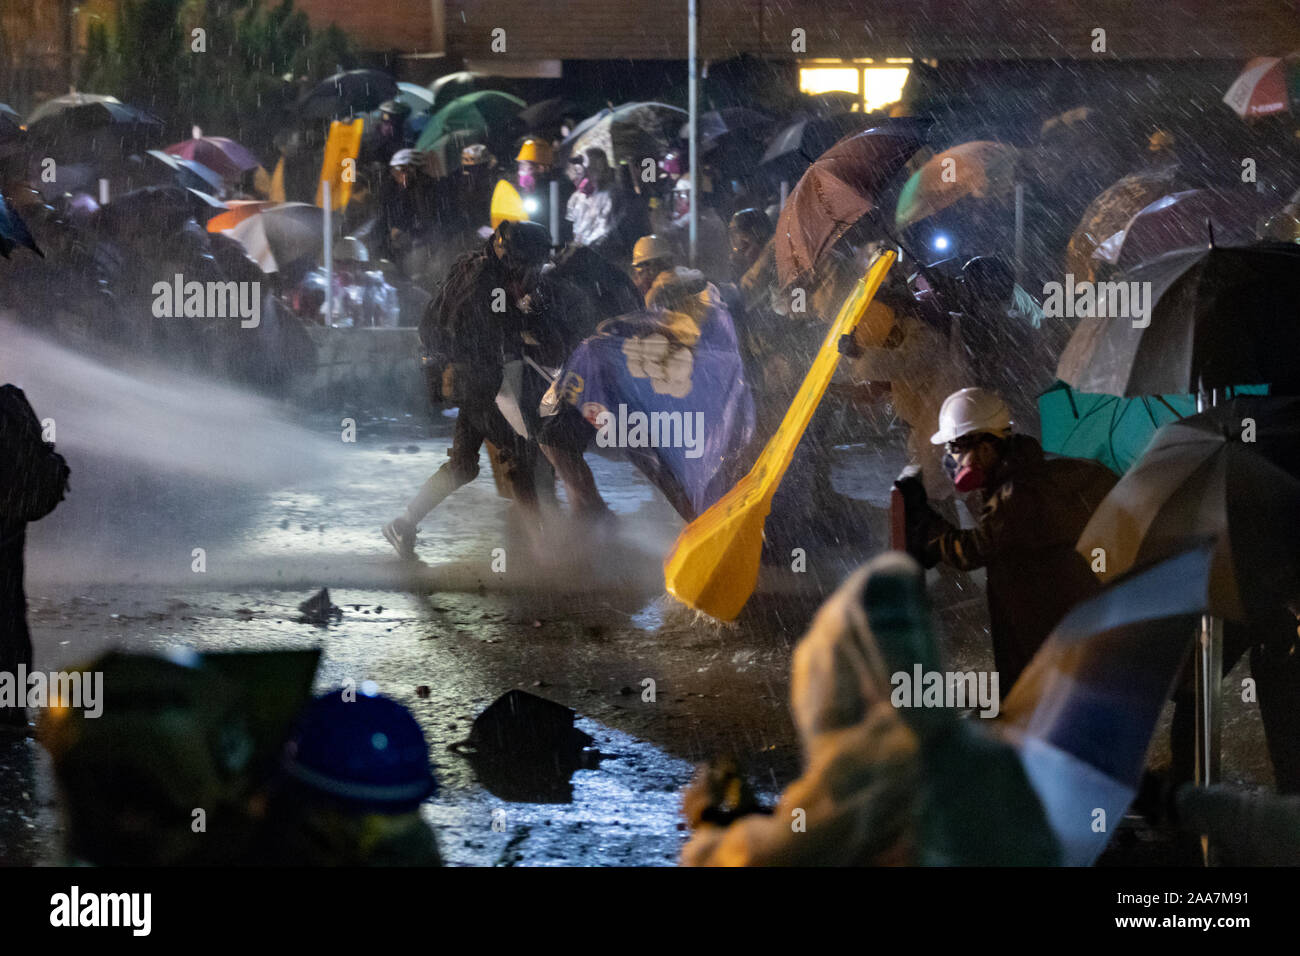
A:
[(14, 232), (1083, 713)]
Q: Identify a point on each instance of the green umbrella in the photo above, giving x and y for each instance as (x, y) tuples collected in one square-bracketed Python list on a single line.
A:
[(485, 110), (1108, 429)]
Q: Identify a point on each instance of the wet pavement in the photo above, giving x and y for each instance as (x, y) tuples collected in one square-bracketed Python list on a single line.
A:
[(583, 622)]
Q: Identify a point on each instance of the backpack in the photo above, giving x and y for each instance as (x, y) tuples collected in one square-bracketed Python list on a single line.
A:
[(33, 476)]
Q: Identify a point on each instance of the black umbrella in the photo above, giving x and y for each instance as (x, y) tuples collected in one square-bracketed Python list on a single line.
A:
[(716, 125), (546, 113), (1219, 316), (347, 94), (1231, 474), (75, 113), (795, 147)]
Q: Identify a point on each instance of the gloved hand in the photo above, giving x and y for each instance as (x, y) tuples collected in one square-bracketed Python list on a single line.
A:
[(916, 514), (909, 482), (849, 346)]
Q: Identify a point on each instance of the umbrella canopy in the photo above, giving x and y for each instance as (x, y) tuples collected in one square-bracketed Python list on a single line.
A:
[(442, 157), (1178, 221), (1268, 85), (77, 113), (838, 190), (632, 131), (1109, 213), (1107, 429), (14, 232), (451, 86), (488, 111), (795, 147), (346, 94), (1083, 712), (717, 124), (981, 168), (188, 173), (280, 236), (1230, 475), (546, 113), (418, 98), (1218, 316), (223, 156)]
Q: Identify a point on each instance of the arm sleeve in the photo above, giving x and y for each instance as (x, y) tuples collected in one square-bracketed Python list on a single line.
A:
[(1006, 521)]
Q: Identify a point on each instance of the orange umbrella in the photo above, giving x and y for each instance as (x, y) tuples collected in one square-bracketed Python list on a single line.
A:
[(240, 209), (981, 168)]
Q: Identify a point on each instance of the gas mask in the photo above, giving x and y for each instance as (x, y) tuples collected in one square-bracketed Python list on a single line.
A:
[(587, 186), (966, 474), (527, 182)]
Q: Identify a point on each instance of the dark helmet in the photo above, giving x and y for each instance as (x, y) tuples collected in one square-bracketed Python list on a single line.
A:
[(988, 280), (366, 753), (753, 223), (525, 243)]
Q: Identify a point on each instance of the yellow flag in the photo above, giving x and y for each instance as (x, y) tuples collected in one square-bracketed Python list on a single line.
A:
[(340, 166)]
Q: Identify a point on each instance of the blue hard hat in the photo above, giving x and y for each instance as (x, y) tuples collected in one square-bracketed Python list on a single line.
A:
[(365, 751)]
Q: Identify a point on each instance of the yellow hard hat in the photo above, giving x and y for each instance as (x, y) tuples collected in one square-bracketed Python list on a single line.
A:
[(651, 247), (536, 151), (507, 204)]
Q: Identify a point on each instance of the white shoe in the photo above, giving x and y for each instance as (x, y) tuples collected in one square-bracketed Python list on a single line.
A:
[(400, 533)]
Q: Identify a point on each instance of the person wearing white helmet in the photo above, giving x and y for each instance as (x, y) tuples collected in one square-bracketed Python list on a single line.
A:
[(1030, 511)]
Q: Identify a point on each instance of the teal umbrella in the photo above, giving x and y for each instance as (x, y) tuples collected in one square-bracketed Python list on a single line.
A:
[(486, 110), (1109, 429)]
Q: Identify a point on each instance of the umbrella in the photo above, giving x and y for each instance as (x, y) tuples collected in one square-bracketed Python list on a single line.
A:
[(546, 113), (632, 131), (452, 86), (1218, 316), (1083, 712), (1108, 429), (794, 148), (838, 190), (981, 168), (79, 113), (1268, 85), (1211, 476), (281, 236), (221, 155), (715, 125), (443, 157), (488, 111), (188, 173), (418, 98), (1177, 221), (14, 232), (346, 94), (1110, 212)]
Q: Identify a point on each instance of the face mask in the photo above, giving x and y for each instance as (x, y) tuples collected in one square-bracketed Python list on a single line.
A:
[(586, 187), (527, 181), (966, 475)]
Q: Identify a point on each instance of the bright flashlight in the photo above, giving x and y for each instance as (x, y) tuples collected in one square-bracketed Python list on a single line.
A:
[(531, 205), (941, 242)]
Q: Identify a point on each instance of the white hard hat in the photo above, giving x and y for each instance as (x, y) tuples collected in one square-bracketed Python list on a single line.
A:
[(404, 157), (651, 247), (969, 411)]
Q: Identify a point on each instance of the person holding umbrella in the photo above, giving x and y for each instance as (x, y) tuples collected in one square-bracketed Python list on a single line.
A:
[(1032, 511)]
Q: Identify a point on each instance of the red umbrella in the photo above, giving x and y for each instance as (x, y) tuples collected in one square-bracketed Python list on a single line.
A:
[(1178, 221), (1266, 86), (838, 190), (221, 155)]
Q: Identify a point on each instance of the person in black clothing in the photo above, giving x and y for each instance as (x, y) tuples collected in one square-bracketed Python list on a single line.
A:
[(33, 478), (408, 209), (480, 321)]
